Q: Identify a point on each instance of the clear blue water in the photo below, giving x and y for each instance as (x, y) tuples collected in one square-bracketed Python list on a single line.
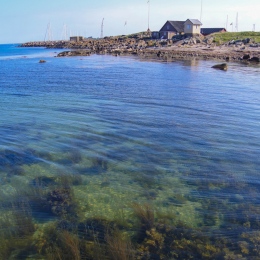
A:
[(180, 136)]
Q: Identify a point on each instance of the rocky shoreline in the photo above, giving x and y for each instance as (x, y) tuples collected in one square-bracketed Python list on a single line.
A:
[(200, 47)]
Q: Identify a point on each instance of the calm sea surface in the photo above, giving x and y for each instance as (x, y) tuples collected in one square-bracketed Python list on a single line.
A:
[(88, 139)]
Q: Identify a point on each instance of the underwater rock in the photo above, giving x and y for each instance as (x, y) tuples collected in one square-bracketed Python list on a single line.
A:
[(222, 66)]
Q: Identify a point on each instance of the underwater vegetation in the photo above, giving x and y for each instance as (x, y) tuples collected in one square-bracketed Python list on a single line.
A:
[(53, 196), (119, 246), (145, 215), (75, 156), (45, 219), (70, 235), (16, 230)]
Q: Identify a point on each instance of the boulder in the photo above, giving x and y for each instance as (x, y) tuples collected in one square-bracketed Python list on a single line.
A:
[(246, 41), (254, 45), (254, 59), (246, 57), (42, 61), (222, 66)]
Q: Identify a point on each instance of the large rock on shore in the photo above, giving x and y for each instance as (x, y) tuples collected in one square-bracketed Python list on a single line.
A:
[(222, 66), (74, 53), (254, 59)]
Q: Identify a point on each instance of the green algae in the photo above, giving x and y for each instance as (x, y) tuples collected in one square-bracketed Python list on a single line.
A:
[(86, 210)]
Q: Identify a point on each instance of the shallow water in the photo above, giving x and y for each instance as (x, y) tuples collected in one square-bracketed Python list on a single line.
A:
[(180, 136)]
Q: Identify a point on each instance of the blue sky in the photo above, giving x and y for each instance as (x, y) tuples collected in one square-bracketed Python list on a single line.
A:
[(27, 20)]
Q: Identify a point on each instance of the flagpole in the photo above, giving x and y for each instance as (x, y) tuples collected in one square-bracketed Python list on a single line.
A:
[(227, 23), (126, 27), (200, 10), (148, 2)]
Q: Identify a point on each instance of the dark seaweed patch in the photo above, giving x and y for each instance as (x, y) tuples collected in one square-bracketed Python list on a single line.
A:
[(13, 158)]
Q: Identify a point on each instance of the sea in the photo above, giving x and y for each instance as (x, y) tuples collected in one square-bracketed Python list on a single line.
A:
[(106, 157)]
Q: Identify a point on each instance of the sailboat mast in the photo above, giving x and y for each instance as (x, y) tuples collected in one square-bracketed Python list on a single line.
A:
[(102, 28)]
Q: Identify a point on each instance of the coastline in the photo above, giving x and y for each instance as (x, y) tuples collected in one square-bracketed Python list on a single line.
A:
[(193, 48)]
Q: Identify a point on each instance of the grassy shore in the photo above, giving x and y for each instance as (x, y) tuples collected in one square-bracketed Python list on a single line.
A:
[(220, 38)]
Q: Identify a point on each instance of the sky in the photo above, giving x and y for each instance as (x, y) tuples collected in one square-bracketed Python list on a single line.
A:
[(38, 20)]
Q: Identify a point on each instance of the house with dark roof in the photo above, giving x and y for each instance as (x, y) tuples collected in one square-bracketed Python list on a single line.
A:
[(207, 31), (169, 29), (172, 28)]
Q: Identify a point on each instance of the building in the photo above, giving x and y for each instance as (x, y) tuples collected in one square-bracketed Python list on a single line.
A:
[(76, 38), (169, 29), (192, 27), (207, 31), (172, 28)]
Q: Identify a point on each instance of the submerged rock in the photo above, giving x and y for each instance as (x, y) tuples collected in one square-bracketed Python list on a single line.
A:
[(222, 66), (42, 61)]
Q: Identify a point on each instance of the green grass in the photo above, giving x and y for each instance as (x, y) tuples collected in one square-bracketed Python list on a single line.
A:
[(221, 38)]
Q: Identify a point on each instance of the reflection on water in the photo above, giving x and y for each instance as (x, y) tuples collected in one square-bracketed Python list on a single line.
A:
[(136, 160)]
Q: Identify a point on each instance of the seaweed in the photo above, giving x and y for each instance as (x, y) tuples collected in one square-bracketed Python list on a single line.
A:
[(69, 179), (56, 200), (55, 244), (15, 170), (61, 203), (96, 229), (16, 230), (145, 215), (119, 247)]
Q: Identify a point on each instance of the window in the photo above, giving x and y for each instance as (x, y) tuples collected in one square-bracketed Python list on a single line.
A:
[(168, 27), (188, 26)]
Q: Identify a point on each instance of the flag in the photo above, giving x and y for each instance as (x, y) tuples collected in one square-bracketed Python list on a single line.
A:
[(231, 24), (125, 23)]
